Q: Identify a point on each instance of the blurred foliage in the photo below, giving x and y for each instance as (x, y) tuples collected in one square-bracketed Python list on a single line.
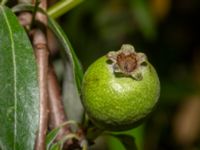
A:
[(167, 31)]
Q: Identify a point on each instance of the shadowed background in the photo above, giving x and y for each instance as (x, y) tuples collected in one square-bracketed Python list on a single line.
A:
[(168, 32)]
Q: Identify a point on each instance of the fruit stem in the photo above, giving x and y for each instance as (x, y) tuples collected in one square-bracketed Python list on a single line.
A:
[(93, 132)]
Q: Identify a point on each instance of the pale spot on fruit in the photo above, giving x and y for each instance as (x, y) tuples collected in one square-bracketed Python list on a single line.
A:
[(126, 92), (117, 87)]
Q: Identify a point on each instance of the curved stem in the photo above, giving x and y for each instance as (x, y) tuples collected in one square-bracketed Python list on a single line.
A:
[(57, 114), (34, 12), (62, 7), (93, 132)]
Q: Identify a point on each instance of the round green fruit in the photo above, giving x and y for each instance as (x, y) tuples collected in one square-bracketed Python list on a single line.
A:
[(120, 89)]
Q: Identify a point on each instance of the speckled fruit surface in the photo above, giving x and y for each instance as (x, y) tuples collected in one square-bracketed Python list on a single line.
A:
[(117, 102)]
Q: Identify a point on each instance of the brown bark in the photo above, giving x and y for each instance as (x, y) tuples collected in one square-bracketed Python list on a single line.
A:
[(50, 95), (25, 19), (57, 113), (41, 52)]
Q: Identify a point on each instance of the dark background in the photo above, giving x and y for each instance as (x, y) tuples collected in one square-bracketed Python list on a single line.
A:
[(168, 31)]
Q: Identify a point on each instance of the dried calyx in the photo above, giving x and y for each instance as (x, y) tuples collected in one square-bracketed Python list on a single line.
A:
[(127, 62)]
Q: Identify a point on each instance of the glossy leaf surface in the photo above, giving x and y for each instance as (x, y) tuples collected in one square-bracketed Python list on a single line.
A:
[(19, 93), (72, 78), (74, 73), (51, 137)]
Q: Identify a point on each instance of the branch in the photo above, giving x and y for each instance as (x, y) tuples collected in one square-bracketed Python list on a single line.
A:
[(57, 114), (50, 95), (25, 17), (42, 53)]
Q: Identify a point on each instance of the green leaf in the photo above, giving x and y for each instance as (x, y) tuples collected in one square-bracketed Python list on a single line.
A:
[(70, 54), (62, 7), (19, 92), (51, 137), (56, 146), (59, 145), (74, 73), (63, 39), (128, 141), (72, 78), (53, 133), (144, 18)]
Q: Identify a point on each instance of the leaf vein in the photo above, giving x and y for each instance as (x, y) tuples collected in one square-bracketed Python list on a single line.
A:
[(14, 76)]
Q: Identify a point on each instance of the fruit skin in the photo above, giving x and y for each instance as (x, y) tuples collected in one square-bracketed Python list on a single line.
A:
[(117, 102)]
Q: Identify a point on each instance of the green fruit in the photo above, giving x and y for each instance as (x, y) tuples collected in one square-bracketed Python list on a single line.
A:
[(120, 89)]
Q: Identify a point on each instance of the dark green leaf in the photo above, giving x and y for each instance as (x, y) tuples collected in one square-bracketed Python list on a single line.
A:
[(19, 93), (70, 54), (51, 137), (62, 7), (55, 146), (73, 75), (128, 141), (72, 78), (77, 68), (144, 18), (53, 133)]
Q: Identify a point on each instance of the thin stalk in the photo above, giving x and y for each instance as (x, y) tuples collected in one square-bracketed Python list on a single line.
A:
[(57, 114), (42, 57), (34, 12), (41, 51), (62, 7)]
